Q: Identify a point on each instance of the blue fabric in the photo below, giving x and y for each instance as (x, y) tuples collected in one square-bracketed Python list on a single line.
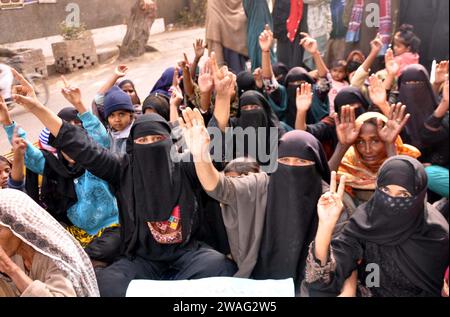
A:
[(164, 83), (16, 185), (438, 180), (96, 207), (258, 15), (116, 99), (337, 12)]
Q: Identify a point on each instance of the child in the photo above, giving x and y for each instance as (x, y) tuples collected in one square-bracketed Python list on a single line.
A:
[(406, 47), (5, 170), (119, 111), (338, 78)]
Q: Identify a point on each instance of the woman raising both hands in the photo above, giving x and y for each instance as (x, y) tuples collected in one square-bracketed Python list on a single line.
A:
[(365, 143)]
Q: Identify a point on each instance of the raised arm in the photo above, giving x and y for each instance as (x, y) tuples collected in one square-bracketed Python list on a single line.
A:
[(378, 94), (119, 72), (310, 45), (304, 102), (347, 131), (224, 82), (70, 139), (187, 78), (265, 43), (206, 86), (392, 69), (198, 141), (329, 209), (19, 149), (199, 49), (91, 123), (389, 132), (441, 73)]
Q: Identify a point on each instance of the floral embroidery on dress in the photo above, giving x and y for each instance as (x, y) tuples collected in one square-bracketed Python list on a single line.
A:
[(168, 232)]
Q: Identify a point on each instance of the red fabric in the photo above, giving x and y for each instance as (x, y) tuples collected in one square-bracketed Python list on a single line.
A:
[(295, 17)]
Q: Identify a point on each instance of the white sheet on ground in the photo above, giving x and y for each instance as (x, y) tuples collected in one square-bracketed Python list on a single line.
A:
[(212, 287)]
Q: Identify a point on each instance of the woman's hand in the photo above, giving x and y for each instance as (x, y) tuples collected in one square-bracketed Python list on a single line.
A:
[(346, 127), (199, 49), (392, 67), (206, 78), (441, 72), (121, 71), (309, 44), (19, 145), (377, 92), (195, 134), (330, 205), (304, 97), (397, 120), (24, 94), (7, 266), (258, 76), (376, 44), (266, 39), (224, 87), (5, 118), (176, 97)]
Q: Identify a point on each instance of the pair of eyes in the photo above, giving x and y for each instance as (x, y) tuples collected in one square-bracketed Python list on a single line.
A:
[(149, 139), (399, 194), (7, 170), (250, 107), (295, 161), (129, 91), (362, 142)]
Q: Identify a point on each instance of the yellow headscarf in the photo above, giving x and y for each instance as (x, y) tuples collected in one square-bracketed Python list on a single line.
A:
[(358, 175)]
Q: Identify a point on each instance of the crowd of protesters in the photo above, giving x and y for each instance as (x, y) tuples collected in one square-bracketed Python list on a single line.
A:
[(126, 189)]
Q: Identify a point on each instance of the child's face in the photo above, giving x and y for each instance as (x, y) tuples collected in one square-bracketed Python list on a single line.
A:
[(399, 47), (5, 170), (120, 120), (338, 74)]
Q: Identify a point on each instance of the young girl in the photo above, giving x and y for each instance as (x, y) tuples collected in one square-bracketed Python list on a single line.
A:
[(406, 47), (338, 77)]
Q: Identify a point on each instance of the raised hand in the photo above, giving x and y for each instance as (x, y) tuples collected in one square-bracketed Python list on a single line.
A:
[(258, 76), (266, 39), (5, 119), (176, 77), (121, 71), (19, 145), (309, 44), (224, 87), (441, 72), (199, 49), (376, 44), (397, 120), (304, 97), (330, 205), (176, 98), (346, 127), (206, 78), (391, 64), (24, 93), (195, 134), (72, 94), (445, 92), (377, 92)]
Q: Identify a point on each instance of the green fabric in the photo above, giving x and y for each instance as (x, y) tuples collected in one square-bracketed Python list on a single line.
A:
[(258, 15), (438, 180)]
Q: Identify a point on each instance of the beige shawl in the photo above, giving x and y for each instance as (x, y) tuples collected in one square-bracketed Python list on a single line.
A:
[(226, 23)]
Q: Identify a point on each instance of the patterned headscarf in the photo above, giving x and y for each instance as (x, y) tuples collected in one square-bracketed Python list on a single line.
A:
[(37, 228)]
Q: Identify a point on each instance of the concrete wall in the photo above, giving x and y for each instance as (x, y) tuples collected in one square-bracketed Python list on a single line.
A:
[(42, 20)]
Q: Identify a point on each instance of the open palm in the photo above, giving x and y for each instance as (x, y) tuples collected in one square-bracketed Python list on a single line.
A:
[(346, 127), (397, 120)]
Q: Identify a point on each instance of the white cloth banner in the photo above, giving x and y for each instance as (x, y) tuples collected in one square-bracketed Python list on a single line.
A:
[(212, 287)]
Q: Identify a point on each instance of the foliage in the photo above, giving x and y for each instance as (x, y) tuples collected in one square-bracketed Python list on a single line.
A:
[(72, 32), (194, 14)]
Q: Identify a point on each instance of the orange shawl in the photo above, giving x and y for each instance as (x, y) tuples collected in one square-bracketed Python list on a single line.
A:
[(358, 175)]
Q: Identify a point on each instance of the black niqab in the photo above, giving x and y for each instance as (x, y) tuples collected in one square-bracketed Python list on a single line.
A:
[(291, 213), (415, 232)]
